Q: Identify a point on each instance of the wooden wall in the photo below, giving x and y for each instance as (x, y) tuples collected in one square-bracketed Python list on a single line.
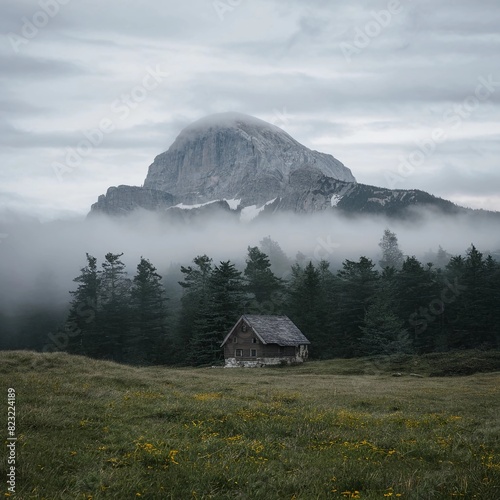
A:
[(245, 342)]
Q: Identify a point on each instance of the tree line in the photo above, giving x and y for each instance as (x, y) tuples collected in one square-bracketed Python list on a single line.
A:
[(114, 317), (403, 306)]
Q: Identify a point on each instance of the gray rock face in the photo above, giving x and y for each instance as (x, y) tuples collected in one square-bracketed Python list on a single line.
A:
[(309, 192), (235, 156), (217, 209), (122, 200)]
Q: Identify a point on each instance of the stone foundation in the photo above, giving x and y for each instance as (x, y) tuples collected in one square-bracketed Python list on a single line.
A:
[(260, 362)]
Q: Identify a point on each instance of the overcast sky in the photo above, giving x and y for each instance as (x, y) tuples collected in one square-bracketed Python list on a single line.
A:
[(405, 93)]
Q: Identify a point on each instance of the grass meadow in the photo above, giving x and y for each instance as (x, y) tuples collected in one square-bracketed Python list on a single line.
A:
[(334, 429)]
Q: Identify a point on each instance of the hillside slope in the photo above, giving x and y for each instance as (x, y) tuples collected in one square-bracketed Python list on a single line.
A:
[(94, 429)]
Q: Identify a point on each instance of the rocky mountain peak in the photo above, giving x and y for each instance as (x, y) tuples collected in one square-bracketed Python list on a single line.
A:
[(230, 120), (232, 155)]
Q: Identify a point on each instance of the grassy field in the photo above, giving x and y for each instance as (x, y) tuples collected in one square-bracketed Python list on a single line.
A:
[(334, 429)]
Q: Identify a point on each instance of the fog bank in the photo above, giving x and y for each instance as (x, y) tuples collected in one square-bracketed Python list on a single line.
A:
[(39, 261)]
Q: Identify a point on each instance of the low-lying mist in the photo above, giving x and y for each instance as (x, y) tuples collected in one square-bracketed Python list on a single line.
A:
[(39, 261)]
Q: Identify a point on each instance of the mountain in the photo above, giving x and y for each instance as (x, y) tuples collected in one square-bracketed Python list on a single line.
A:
[(122, 200), (250, 166), (235, 156), (310, 192)]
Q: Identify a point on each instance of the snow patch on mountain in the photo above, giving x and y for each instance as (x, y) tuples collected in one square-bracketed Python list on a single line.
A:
[(379, 201), (336, 198), (233, 204), (190, 207), (249, 213)]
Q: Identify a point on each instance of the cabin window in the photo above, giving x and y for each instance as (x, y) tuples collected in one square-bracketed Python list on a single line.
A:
[(235, 339), (253, 353), (254, 340), (243, 327), (239, 353)]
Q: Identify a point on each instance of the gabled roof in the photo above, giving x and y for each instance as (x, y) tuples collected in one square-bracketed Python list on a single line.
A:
[(272, 330)]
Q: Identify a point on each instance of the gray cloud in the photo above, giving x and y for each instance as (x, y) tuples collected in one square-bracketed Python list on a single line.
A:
[(16, 67), (61, 245), (17, 107)]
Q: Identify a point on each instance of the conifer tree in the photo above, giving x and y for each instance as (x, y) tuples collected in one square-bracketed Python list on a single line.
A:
[(195, 299), (328, 304), (417, 289), (492, 301), (442, 258), (356, 289), (383, 331), (307, 305), (114, 314), (280, 263), (392, 256), (148, 320), (225, 306), (261, 283), (82, 327), (473, 303)]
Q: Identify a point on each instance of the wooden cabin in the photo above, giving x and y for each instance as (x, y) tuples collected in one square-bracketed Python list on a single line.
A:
[(264, 340)]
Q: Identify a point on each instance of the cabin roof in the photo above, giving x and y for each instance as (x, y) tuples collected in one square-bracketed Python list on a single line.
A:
[(272, 330)]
